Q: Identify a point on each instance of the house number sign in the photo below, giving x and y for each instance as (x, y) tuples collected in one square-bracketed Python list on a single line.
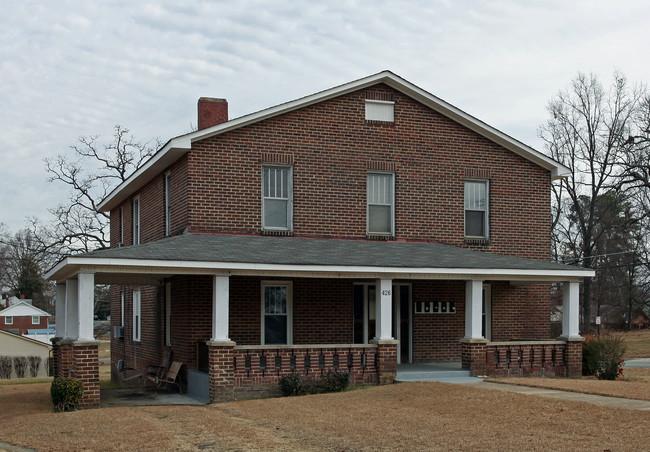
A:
[(386, 293)]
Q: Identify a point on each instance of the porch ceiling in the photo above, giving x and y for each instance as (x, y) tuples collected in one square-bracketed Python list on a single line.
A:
[(209, 254)]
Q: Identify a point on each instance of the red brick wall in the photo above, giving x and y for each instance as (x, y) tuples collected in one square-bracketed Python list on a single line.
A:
[(522, 312), (332, 147), (152, 208), (436, 336), (322, 311), (149, 350), (23, 323)]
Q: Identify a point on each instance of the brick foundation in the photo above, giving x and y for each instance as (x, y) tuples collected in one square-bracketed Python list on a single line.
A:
[(386, 361), (573, 357), (222, 374), (80, 360), (474, 356)]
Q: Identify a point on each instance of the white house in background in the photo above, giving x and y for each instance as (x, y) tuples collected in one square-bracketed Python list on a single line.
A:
[(13, 345), (21, 317)]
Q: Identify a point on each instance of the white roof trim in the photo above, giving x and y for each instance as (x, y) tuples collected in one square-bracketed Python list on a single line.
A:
[(72, 265), (178, 146)]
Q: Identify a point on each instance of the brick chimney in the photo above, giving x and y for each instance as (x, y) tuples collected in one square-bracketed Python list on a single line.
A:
[(212, 112)]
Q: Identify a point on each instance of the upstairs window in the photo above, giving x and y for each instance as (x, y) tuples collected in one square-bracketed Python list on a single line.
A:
[(380, 110), (381, 203), (168, 211), (9, 320), (277, 198), (476, 209), (36, 320), (136, 221)]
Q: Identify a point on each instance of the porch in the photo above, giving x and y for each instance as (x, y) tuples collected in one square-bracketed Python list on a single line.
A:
[(246, 358)]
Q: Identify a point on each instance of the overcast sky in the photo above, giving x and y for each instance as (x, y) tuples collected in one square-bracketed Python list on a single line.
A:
[(73, 68)]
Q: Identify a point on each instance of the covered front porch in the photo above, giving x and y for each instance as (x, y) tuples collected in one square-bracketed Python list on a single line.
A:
[(335, 313)]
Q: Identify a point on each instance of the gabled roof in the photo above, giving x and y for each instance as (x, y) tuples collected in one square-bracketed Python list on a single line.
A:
[(23, 309), (9, 335), (177, 147), (258, 255)]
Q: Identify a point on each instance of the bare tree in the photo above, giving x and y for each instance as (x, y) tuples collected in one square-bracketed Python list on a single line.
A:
[(91, 172), (588, 132)]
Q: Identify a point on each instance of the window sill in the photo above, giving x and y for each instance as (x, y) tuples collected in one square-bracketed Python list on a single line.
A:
[(385, 237), (476, 241), (277, 233)]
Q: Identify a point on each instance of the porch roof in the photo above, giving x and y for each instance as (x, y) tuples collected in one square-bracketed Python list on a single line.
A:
[(309, 257)]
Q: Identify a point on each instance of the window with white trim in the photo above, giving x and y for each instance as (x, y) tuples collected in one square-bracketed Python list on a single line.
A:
[(36, 320), (9, 320), (168, 313), (136, 220), (381, 203), (277, 198), (121, 226), (137, 318), (476, 209), (277, 313), (380, 110), (168, 211)]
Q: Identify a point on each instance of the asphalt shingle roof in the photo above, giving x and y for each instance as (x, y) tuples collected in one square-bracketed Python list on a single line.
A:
[(324, 252)]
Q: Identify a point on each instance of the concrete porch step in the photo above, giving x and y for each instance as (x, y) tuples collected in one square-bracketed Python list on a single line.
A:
[(443, 372)]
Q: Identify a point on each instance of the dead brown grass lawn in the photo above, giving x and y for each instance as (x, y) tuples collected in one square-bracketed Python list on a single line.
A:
[(635, 384), (637, 343), (415, 416)]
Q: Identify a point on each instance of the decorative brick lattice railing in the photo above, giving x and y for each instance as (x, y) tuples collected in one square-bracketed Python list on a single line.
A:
[(526, 358), (258, 368)]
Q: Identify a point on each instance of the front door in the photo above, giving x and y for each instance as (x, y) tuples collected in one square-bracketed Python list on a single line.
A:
[(365, 317)]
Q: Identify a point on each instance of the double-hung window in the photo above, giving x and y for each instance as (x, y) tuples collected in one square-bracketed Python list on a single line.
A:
[(137, 317), (277, 198), (136, 221), (476, 209), (36, 320), (381, 203), (277, 315), (9, 320)]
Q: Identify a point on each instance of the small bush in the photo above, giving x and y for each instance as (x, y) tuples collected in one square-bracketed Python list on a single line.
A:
[(603, 357), (20, 366), (335, 381), (34, 365), (66, 394), (295, 384), (5, 366)]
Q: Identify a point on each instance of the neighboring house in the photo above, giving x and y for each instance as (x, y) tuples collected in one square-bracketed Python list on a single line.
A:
[(22, 316), (13, 345), (360, 227)]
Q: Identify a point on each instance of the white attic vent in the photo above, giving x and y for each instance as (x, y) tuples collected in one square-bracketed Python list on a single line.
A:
[(380, 110)]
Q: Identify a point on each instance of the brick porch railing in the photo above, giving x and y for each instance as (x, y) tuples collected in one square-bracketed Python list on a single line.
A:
[(523, 358), (250, 371)]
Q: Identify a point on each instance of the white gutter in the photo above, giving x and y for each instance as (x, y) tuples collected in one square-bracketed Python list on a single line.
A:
[(73, 264)]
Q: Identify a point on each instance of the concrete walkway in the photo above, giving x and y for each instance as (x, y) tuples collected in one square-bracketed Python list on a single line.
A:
[(637, 362), (631, 404)]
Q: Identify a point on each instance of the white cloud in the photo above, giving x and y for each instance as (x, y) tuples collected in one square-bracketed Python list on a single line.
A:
[(76, 68)]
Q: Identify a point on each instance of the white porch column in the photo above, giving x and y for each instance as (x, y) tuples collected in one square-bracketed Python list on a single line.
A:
[(384, 309), (86, 305), (71, 309), (60, 310), (571, 310), (220, 315), (473, 309)]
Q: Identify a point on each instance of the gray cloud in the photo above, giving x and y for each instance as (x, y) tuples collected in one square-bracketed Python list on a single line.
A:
[(76, 68)]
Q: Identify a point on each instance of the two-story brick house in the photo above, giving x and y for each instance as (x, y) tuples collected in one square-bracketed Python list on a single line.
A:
[(360, 227)]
